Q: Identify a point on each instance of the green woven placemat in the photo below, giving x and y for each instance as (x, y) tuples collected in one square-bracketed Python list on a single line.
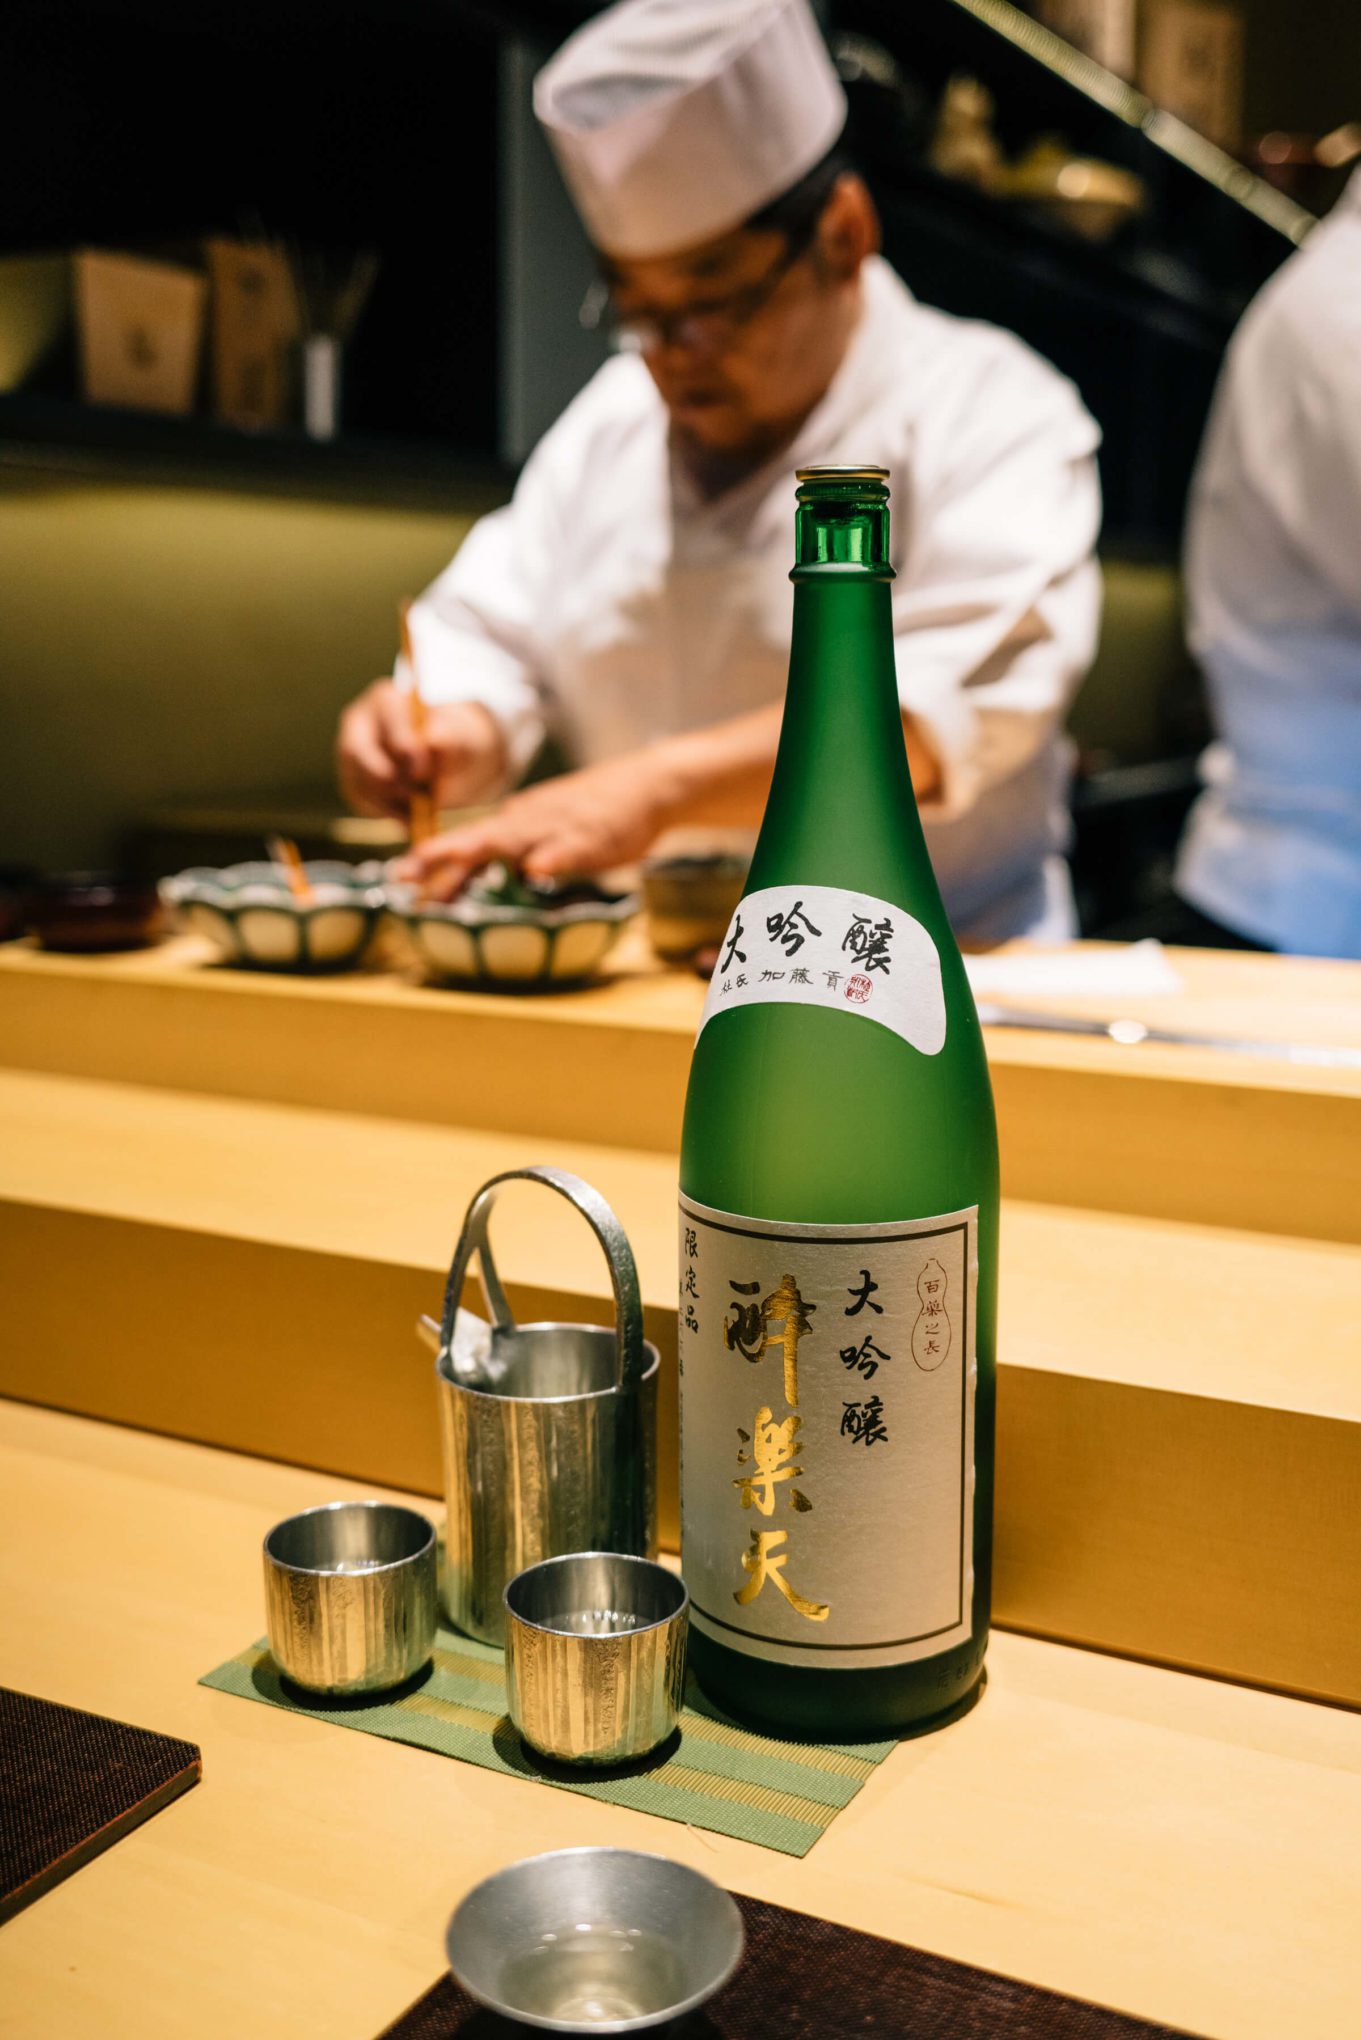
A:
[(712, 1774)]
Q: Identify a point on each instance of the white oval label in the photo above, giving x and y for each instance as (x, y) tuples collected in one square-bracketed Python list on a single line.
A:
[(848, 952)]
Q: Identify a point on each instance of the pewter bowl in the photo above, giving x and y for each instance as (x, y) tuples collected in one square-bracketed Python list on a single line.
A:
[(251, 917), (595, 1941)]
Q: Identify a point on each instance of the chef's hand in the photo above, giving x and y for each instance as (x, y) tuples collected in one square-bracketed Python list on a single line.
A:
[(611, 813), (381, 761), (583, 822)]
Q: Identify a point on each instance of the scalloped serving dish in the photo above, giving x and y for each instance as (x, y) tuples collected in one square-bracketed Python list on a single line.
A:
[(250, 916)]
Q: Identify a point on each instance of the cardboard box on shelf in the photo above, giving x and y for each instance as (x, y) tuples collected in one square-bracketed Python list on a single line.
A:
[(1105, 30), (141, 331), (1191, 64), (254, 327)]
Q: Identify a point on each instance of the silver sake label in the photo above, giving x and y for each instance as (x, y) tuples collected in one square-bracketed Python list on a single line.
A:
[(828, 1378)]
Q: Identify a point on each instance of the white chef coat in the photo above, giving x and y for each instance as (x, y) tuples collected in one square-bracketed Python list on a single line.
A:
[(612, 604), (1273, 847)]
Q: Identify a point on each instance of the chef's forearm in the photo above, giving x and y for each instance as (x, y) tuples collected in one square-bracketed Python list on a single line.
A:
[(721, 774), (922, 761)]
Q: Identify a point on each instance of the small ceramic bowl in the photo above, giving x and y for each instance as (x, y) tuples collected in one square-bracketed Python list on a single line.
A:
[(248, 913), (691, 899), (86, 912), (521, 945)]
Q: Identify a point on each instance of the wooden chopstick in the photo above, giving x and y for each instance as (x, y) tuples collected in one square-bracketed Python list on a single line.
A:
[(424, 817), (285, 852)]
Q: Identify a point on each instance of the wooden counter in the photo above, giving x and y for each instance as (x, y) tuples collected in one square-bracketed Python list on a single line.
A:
[(1177, 1133), (1179, 1848), (224, 1198), (1179, 1455)]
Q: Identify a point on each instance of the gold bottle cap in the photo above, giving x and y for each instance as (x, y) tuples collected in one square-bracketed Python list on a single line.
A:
[(834, 471)]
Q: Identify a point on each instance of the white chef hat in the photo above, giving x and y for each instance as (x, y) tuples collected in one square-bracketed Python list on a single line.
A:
[(674, 120)]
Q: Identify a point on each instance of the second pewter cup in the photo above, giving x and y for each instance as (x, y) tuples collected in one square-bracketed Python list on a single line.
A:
[(595, 1656), (549, 1431)]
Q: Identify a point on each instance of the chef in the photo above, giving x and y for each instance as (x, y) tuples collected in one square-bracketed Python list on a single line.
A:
[(1272, 854), (632, 599)]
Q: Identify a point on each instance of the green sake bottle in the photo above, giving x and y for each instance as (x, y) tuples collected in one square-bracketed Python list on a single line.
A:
[(838, 1221)]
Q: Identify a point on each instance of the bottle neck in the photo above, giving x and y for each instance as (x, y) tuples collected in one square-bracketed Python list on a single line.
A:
[(840, 524), (841, 809), (841, 782)]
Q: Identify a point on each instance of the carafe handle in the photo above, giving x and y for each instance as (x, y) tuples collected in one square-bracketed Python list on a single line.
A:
[(475, 1239)]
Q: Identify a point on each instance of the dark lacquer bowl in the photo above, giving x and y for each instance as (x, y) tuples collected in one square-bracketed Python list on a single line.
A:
[(16, 883), (87, 912)]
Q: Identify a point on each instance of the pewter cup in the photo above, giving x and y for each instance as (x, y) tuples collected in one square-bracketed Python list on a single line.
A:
[(549, 1430), (350, 1596), (595, 1941), (595, 1656)]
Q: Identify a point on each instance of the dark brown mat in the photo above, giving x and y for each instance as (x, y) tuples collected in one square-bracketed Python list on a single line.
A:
[(72, 1783), (806, 1979)]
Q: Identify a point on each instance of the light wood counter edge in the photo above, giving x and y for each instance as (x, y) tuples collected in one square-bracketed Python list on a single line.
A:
[(1182, 1133), (1096, 1286)]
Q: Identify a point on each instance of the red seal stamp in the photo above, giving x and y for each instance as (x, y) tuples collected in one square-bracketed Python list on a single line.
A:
[(858, 990)]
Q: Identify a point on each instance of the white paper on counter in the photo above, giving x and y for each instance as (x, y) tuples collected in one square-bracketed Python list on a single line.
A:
[(1140, 969)]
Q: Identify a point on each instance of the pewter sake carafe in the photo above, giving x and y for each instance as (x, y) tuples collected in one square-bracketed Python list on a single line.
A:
[(549, 1431)]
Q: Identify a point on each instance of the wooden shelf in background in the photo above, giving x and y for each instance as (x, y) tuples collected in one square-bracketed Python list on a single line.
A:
[(54, 435)]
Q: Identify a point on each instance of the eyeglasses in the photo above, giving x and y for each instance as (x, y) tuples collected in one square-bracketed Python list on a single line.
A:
[(704, 328)]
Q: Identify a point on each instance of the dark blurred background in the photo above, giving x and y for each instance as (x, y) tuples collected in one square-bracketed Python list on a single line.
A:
[(186, 600)]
